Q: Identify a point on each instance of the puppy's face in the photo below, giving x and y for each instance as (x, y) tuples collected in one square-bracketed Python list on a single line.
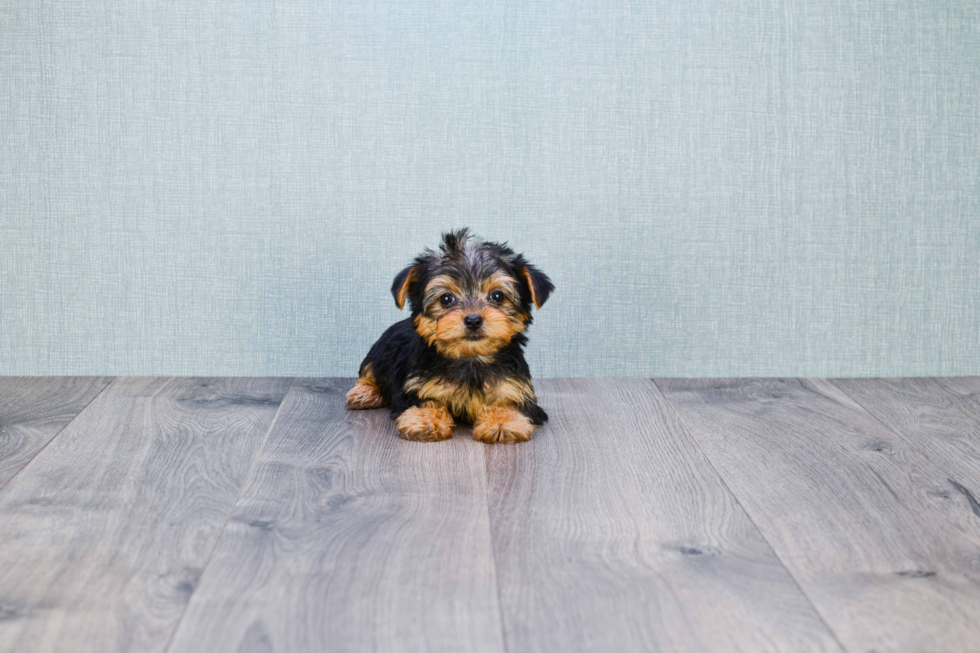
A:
[(470, 298), (472, 313)]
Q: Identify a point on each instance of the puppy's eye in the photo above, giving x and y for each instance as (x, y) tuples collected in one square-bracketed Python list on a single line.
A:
[(496, 296), (447, 300)]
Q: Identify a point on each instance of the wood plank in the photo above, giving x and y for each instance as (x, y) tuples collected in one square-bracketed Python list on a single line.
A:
[(965, 386), (857, 515), (348, 538), (104, 535), (613, 533), (938, 417), (35, 409)]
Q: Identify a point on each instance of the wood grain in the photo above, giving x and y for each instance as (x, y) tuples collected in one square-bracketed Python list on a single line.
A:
[(861, 519), (348, 538), (104, 535), (35, 409), (938, 417), (613, 533)]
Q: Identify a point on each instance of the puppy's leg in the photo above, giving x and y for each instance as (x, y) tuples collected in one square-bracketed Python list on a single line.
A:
[(365, 393), (502, 423), (428, 422)]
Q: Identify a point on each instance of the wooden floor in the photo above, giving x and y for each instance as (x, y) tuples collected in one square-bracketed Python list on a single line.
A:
[(225, 514)]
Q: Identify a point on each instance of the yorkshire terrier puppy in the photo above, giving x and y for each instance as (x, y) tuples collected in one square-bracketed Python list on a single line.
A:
[(460, 356)]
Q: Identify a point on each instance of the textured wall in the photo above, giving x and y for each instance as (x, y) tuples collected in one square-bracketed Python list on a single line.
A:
[(717, 188)]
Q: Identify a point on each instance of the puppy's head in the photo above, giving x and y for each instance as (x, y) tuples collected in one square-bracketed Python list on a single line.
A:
[(471, 297)]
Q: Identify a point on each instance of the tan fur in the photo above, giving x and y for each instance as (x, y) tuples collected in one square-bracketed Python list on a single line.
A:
[(443, 327), (466, 403), (457, 399), (406, 286), (500, 281), (502, 424), (365, 393), (429, 422), (534, 297), (425, 327), (439, 285), (447, 333), (496, 326), (511, 391)]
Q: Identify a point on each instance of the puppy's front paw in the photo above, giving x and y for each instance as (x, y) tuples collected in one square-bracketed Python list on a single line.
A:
[(502, 424), (364, 395), (429, 422)]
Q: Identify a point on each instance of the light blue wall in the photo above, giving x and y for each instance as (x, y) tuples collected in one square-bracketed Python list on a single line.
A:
[(717, 188)]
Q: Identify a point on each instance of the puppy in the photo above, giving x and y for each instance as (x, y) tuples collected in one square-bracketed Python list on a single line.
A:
[(459, 357)]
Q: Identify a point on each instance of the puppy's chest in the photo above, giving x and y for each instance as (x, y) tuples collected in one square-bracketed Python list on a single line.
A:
[(464, 400)]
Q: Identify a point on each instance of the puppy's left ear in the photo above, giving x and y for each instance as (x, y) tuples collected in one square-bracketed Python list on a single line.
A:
[(539, 286), (403, 283)]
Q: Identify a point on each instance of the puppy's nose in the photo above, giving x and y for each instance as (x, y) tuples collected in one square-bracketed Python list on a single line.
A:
[(473, 321)]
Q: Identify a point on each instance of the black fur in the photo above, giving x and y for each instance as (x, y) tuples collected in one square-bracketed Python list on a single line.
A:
[(401, 353)]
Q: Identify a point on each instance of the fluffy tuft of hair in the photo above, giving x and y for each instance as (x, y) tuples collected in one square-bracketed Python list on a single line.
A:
[(454, 242)]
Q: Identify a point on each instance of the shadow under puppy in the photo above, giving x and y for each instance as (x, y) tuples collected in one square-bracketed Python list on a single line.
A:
[(460, 356)]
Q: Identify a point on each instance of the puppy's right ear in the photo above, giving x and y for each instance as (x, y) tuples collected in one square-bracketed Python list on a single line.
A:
[(402, 286)]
